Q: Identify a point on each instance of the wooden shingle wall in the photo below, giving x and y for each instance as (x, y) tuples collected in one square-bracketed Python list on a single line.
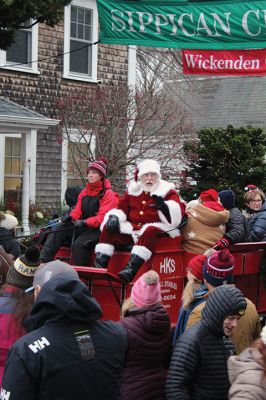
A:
[(40, 92)]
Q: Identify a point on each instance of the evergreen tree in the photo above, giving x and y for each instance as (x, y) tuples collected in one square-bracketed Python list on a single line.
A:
[(226, 158)]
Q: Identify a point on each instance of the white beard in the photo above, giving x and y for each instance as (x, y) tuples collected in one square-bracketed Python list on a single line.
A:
[(149, 188)]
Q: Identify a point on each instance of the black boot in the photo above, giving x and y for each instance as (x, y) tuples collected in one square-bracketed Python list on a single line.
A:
[(101, 260), (130, 270)]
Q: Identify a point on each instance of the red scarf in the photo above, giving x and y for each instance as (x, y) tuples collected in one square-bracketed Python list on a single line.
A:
[(94, 188)]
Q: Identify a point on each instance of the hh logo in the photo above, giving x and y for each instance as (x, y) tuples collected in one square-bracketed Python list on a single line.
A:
[(4, 395), (39, 345), (167, 266)]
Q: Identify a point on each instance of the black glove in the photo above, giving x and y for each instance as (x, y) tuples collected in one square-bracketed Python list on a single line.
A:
[(160, 205), (112, 225), (66, 218), (80, 223)]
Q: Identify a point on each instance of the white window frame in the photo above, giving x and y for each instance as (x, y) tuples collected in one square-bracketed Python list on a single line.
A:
[(67, 74), (34, 56), (74, 137)]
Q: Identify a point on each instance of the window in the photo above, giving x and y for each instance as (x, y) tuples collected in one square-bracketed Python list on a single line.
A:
[(77, 163), (23, 54), (13, 169), (81, 29)]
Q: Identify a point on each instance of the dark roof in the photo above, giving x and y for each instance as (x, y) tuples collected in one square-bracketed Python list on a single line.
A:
[(10, 108), (222, 101)]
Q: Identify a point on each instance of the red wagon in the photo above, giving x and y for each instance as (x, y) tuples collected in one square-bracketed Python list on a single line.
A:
[(170, 261)]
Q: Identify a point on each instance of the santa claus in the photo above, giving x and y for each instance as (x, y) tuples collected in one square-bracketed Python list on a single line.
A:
[(149, 207)]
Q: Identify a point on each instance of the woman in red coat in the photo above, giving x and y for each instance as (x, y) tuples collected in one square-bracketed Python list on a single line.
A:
[(149, 343), (93, 203)]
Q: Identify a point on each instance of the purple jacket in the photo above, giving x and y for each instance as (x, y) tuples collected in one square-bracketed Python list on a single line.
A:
[(149, 352)]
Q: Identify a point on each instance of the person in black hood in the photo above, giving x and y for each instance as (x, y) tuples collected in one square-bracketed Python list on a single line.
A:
[(69, 353), (198, 369)]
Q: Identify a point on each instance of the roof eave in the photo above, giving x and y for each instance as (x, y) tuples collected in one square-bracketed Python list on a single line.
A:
[(27, 122)]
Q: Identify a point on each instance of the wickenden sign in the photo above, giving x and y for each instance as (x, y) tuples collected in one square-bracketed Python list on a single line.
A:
[(217, 24), (223, 62)]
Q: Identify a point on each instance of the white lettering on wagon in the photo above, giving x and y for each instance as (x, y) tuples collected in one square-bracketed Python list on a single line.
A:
[(167, 266)]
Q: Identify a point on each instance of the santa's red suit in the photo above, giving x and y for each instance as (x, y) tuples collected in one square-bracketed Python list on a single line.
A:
[(139, 223)]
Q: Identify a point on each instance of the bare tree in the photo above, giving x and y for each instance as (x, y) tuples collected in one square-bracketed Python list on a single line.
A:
[(128, 124)]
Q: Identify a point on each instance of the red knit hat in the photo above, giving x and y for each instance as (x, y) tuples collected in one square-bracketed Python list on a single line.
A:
[(100, 165), (209, 195), (218, 269), (195, 266)]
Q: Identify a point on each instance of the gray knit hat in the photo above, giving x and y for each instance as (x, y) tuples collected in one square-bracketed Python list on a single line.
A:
[(22, 272)]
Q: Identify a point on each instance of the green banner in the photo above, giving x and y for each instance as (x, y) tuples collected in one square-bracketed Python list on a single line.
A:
[(219, 24)]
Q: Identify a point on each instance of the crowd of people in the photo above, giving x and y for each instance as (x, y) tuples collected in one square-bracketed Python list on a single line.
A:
[(53, 341)]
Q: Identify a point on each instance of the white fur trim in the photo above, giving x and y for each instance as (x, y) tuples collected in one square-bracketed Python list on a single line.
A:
[(105, 248), (136, 188), (117, 212), (164, 227), (10, 222), (175, 214), (126, 227), (142, 252), (149, 165)]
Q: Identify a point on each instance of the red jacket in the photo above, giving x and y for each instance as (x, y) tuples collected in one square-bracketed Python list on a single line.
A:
[(108, 201), (10, 330), (134, 211)]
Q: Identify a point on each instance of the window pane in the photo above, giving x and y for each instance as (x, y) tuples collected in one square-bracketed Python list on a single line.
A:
[(16, 147), (88, 15), (13, 183), (73, 28), (8, 166), (74, 13), (88, 33), (79, 60), (77, 161), (16, 164), (81, 31), (81, 15), (20, 51), (8, 147)]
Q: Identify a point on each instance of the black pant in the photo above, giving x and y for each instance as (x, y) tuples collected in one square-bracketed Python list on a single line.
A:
[(84, 241)]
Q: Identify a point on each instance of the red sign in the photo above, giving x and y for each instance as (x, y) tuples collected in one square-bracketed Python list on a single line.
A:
[(224, 62)]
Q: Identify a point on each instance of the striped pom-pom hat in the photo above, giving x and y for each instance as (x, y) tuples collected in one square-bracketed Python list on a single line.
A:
[(100, 165), (218, 268)]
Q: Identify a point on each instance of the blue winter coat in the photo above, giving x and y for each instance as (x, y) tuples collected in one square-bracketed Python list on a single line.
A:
[(257, 224)]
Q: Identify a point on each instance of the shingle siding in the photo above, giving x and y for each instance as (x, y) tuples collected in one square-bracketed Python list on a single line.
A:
[(40, 92)]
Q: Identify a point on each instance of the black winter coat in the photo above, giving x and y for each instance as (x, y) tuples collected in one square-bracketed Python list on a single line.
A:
[(237, 227), (70, 354), (9, 243), (198, 369), (148, 355)]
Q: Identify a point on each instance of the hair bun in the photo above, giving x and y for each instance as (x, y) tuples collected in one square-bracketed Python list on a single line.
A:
[(32, 253)]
